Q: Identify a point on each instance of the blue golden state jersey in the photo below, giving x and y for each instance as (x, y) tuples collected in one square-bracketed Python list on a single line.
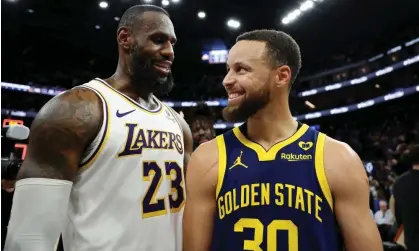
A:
[(276, 199)]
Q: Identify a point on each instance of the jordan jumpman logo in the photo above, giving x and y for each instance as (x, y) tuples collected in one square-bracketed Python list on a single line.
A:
[(238, 161)]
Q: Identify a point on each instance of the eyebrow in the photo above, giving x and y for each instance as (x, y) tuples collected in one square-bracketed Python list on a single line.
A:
[(166, 35), (239, 63)]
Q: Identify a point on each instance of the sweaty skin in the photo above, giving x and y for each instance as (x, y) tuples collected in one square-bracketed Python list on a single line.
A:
[(345, 175)]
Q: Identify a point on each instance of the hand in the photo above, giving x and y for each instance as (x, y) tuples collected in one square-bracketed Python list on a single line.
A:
[(8, 185)]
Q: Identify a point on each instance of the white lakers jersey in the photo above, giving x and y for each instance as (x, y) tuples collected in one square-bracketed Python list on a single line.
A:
[(129, 194)]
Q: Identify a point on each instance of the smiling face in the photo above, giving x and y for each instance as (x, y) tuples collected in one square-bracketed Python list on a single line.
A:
[(248, 80), (150, 45)]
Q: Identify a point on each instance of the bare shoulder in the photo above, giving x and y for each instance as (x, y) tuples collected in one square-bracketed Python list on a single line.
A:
[(206, 153), (59, 134), (203, 167), (348, 183), (342, 165)]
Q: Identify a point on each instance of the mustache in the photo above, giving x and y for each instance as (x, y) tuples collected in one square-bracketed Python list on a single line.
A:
[(160, 59)]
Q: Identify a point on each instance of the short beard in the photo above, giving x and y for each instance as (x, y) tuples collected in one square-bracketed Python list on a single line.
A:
[(162, 88), (246, 109), (143, 76)]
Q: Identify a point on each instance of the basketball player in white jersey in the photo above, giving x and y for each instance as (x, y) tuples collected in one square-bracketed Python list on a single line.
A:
[(105, 160)]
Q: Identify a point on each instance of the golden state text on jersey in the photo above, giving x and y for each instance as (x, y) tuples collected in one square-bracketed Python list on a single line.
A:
[(276, 199)]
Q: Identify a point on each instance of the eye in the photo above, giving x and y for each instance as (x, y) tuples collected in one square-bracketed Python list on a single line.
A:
[(241, 70), (159, 40)]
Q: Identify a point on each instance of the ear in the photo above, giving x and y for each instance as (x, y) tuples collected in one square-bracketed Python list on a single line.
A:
[(124, 38), (283, 76)]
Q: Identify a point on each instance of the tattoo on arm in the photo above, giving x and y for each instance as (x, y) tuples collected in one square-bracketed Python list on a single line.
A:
[(60, 133)]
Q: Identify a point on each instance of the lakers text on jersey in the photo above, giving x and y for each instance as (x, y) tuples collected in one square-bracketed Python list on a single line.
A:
[(276, 199), (130, 187)]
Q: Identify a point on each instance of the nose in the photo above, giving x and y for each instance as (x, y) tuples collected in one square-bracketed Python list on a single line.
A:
[(168, 51), (201, 131), (228, 80)]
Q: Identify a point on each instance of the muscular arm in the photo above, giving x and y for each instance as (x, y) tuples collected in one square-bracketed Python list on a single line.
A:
[(60, 133), (201, 183), (350, 189)]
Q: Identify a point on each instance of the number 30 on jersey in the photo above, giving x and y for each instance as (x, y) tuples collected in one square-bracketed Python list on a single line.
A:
[(152, 206)]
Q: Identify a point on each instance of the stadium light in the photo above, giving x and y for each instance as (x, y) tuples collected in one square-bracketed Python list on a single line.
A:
[(148, 1), (309, 104), (165, 2), (202, 15), (306, 5), (175, 1), (293, 15), (103, 5), (232, 23), (97, 27), (116, 19)]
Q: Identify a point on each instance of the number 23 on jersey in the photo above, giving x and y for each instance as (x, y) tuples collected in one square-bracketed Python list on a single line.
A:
[(152, 206)]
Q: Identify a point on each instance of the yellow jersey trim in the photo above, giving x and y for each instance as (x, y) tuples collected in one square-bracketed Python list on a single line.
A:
[(222, 163), (86, 164), (320, 172), (269, 155), (158, 110)]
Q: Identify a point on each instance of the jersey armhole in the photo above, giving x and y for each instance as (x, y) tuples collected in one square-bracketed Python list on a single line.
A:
[(96, 146), (320, 171), (173, 113), (222, 163)]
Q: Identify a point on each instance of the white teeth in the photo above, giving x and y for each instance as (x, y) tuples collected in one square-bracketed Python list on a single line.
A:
[(233, 95)]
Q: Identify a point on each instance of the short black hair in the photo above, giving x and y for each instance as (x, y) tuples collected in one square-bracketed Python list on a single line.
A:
[(131, 15), (281, 49)]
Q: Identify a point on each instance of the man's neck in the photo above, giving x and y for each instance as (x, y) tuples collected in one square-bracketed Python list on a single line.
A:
[(272, 124), (124, 84), (416, 167)]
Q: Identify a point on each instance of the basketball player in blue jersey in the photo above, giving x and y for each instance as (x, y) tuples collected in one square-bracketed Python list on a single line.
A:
[(274, 183), (105, 159)]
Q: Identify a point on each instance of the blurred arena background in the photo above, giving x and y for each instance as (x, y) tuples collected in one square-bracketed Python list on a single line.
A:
[(359, 82)]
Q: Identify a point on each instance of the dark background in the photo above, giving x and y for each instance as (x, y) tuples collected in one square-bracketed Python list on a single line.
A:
[(55, 44)]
